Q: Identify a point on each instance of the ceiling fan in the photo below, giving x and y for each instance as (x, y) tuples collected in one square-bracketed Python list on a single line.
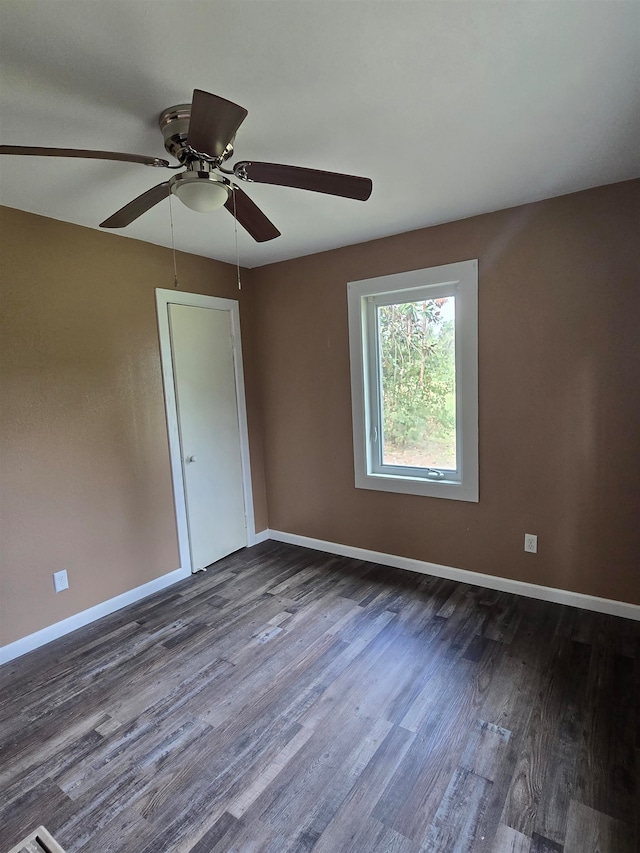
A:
[(200, 135)]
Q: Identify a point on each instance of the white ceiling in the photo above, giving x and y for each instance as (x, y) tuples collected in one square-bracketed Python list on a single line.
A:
[(452, 108)]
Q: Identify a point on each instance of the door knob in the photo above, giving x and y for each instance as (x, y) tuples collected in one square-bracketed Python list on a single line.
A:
[(190, 459)]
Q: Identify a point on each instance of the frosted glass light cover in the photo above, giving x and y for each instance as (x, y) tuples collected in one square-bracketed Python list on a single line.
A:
[(202, 196)]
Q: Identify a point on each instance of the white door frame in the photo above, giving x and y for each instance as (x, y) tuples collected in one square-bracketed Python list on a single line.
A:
[(178, 297)]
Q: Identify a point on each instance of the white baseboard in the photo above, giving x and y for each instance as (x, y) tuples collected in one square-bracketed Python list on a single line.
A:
[(262, 536), (530, 590), (79, 620)]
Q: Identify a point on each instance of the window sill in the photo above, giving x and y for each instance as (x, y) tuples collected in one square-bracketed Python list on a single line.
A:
[(448, 489)]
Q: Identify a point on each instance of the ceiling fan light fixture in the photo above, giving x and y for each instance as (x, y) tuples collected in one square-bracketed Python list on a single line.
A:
[(200, 191)]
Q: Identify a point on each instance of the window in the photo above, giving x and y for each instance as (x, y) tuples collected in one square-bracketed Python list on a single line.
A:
[(414, 381)]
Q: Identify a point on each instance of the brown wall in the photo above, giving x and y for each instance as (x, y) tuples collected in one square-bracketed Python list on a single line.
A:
[(84, 460), (559, 361), (84, 466)]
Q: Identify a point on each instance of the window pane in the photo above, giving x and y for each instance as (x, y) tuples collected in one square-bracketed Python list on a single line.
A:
[(418, 377)]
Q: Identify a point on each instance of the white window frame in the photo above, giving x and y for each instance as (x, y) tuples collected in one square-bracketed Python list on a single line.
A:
[(363, 297)]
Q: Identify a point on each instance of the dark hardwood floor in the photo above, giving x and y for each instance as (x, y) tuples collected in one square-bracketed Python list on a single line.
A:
[(288, 700)]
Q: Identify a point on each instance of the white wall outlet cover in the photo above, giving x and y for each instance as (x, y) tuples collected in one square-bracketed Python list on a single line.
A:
[(531, 543), (60, 580)]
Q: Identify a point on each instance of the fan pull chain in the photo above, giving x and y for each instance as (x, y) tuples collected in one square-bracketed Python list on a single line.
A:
[(173, 246), (235, 224)]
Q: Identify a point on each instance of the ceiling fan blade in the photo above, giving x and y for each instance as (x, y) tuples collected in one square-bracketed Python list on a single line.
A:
[(34, 151), (250, 216), (213, 123), (333, 183), (137, 207)]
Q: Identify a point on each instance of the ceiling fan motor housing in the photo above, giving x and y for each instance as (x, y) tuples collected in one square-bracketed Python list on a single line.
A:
[(174, 124)]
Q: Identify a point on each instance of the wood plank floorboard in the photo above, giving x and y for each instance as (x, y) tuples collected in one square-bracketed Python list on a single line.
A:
[(290, 701)]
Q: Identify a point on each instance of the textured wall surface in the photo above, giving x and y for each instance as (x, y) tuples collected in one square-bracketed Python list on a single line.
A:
[(85, 476), (559, 365), (84, 465)]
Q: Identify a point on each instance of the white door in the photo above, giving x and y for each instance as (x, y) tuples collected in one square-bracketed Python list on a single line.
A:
[(204, 379)]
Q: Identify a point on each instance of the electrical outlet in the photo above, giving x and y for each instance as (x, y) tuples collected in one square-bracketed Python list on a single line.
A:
[(531, 543), (60, 580)]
